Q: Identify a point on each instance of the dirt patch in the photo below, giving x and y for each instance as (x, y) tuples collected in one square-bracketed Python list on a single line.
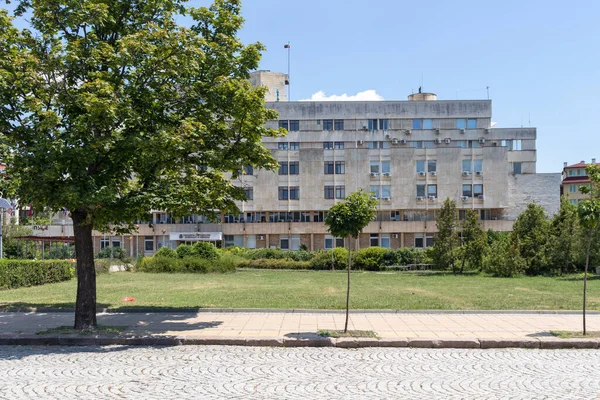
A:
[(330, 290)]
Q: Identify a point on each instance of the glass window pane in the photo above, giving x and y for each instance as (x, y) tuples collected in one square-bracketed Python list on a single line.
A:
[(385, 167), (466, 165), (472, 124), (385, 241), (461, 123), (477, 190), (466, 190), (417, 124), (386, 191), (477, 165), (420, 166), (427, 124), (420, 190), (431, 165), (375, 191), (432, 190), (374, 167), (461, 143)]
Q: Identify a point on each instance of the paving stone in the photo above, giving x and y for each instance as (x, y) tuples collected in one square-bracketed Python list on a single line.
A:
[(557, 343), (524, 343)]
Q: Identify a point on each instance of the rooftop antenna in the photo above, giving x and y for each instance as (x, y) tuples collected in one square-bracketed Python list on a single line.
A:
[(530, 119), (488, 91), (289, 92)]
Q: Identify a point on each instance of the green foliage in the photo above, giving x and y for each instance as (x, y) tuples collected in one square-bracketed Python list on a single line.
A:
[(348, 218), (446, 241), (370, 258), (531, 232), (504, 259), (18, 249), (267, 253), (274, 263), (166, 252), (474, 242), (19, 273), (223, 264), (205, 250), (322, 260), (563, 246), (112, 252), (60, 251), (185, 250)]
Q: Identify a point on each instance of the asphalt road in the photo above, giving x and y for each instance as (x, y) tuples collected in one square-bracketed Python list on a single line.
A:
[(219, 372)]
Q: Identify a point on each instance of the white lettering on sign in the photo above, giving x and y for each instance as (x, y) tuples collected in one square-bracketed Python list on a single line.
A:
[(200, 236)]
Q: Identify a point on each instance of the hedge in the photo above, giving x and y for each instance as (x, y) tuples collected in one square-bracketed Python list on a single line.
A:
[(266, 263), (20, 273), (223, 264)]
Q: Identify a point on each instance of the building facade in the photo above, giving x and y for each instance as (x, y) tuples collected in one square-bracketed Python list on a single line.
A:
[(573, 177)]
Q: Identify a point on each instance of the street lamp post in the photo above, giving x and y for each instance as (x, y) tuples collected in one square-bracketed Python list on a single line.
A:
[(4, 205)]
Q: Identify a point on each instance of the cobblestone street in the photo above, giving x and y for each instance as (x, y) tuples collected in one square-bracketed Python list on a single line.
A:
[(220, 372)]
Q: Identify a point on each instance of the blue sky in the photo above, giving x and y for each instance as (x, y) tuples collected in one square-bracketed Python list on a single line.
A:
[(541, 59)]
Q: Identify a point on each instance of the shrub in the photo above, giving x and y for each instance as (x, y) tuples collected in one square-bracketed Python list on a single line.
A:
[(322, 260), (370, 258), (266, 263), (205, 250), (19, 273), (504, 260), (166, 252), (112, 252), (185, 250), (223, 264)]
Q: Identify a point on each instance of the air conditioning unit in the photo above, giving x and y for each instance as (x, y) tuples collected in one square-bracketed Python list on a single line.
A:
[(466, 173), (487, 131), (360, 142), (374, 174), (422, 173), (408, 131), (481, 140), (494, 143), (402, 141), (394, 236), (388, 136), (480, 197), (437, 130), (386, 174), (386, 198), (260, 237), (365, 128), (447, 140), (462, 131), (438, 141), (465, 198), (478, 173), (420, 198), (433, 173), (394, 141), (431, 198)]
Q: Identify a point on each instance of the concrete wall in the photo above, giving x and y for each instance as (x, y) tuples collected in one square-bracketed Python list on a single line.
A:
[(543, 189)]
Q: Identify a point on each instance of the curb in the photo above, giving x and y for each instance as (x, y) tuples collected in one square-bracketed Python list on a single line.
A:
[(316, 341), (190, 310)]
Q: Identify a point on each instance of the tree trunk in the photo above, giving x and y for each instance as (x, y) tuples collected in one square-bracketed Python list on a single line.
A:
[(85, 306), (348, 291), (585, 271)]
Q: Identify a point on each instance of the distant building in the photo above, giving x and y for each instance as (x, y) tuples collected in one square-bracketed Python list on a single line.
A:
[(573, 177)]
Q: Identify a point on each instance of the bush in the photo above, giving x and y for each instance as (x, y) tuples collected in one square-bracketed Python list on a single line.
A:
[(504, 260), (322, 260), (19, 273), (258, 254), (59, 251), (157, 264), (112, 252), (370, 258), (166, 252), (205, 250), (160, 264), (185, 250), (266, 263)]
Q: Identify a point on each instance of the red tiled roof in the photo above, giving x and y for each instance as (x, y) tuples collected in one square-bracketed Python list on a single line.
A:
[(579, 165), (576, 179)]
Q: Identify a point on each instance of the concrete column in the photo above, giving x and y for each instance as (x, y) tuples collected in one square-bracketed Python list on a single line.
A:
[(267, 241), (312, 242), (402, 239)]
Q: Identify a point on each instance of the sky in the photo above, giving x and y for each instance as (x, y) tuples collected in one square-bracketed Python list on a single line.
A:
[(540, 59)]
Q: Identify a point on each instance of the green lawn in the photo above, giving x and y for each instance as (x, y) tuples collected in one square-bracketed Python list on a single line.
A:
[(319, 290)]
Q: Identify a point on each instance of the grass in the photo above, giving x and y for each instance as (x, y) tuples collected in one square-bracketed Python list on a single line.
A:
[(317, 290), (354, 334), (573, 335), (101, 329)]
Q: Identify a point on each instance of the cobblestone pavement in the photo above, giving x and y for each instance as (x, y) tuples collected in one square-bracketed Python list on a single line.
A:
[(216, 372)]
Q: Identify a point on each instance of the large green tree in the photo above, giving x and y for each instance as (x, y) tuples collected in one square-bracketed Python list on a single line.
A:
[(109, 108), (563, 245), (347, 219), (446, 241), (531, 231), (474, 242)]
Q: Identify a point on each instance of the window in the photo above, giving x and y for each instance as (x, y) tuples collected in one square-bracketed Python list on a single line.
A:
[(338, 124), (420, 166), (461, 144), (477, 190), (385, 167), (485, 215), (294, 168), (283, 168), (294, 145), (386, 191), (294, 125), (466, 165), (571, 172), (580, 172), (431, 166), (466, 191), (327, 124), (471, 124), (384, 145), (427, 124), (379, 145), (328, 145), (283, 146), (432, 190), (428, 144), (478, 166), (329, 192), (284, 243), (375, 191), (418, 144), (328, 167), (573, 201), (319, 216), (474, 144), (338, 145), (104, 243), (419, 243), (340, 167), (516, 168), (372, 124), (516, 145), (149, 243), (429, 240), (420, 190), (249, 170), (572, 188), (461, 123), (283, 124), (385, 241), (330, 241), (249, 192), (340, 192), (374, 240), (233, 219), (374, 169), (372, 145), (283, 192), (417, 124), (294, 193), (383, 124)]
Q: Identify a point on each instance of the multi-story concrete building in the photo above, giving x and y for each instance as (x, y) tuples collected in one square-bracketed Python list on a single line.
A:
[(411, 154), (573, 177)]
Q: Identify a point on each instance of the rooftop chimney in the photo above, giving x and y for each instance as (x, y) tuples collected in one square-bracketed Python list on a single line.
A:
[(565, 164), (593, 161), (582, 161)]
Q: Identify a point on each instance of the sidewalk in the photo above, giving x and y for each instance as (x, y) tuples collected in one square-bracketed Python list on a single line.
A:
[(518, 329)]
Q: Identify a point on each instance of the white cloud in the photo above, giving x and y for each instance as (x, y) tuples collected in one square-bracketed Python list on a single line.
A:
[(367, 95)]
